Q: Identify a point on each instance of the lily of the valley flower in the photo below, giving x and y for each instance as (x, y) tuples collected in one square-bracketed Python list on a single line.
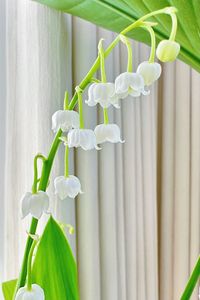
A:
[(65, 119), (107, 133), (35, 293), (167, 50), (84, 138), (67, 186), (35, 204), (149, 71), (102, 93), (129, 84)]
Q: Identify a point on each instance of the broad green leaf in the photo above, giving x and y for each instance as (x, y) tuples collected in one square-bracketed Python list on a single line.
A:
[(115, 15), (8, 289), (54, 267)]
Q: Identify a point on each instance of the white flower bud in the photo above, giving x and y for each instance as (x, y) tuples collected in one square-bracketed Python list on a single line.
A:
[(36, 293), (167, 50), (84, 138), (102, 93), (149, 71), (107, 133), (35, 204), (65, 119), (67, 186), (129, 84)]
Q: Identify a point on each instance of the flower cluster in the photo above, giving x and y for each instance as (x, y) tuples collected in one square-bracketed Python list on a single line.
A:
[(105, 94), (69, 125)]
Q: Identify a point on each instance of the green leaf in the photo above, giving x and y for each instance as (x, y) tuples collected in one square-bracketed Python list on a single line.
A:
[(115, 15), (54, 267), (8, 289)]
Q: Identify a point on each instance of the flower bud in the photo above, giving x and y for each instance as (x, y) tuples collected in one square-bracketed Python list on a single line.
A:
[(34, 204), (65, 119), (149, 71), (84, 138), (107, 133), (36, 293), (67, 186), (167, 50)]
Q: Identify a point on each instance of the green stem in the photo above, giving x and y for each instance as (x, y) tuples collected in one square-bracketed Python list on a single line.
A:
[(126, 41), (35, 180), (174, 27), (46, 169), (192, 281), (105, 115), (29, 266), (102, 61), (66, 101), (80, 107), (66, 161), (153, 42)]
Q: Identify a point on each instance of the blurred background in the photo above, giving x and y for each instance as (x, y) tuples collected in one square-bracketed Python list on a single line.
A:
[(138, 221)]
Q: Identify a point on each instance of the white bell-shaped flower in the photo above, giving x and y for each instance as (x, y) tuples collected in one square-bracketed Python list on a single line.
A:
[(84, 138), (36, 293), (129, 84), (149, 71), (107, 133), (65, 119), (102, 93), (67, 186), (167, 50), (34, 204)]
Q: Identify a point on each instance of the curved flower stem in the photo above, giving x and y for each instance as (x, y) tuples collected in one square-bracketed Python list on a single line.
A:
[(102, 61), (80, 106), (35, 180), (66, 161), (126, 41), (29, 266), (103, 75), (153, 42), (174, 27), (47, 165)]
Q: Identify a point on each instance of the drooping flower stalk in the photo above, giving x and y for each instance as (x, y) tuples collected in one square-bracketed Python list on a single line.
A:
[(80, 106), (172, 12), (149, 28), (48, 162), (35, 180), (66, 161), (126, 41), (103, 76)]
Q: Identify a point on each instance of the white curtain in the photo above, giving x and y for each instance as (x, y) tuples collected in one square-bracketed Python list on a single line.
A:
[(137, 223)]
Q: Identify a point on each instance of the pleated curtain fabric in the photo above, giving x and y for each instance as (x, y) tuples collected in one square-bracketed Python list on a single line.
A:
[(137, 223)]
